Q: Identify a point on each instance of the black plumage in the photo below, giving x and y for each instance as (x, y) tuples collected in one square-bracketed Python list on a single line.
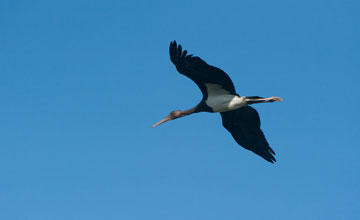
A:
[(198, 70), (244, 126), (243, 123)]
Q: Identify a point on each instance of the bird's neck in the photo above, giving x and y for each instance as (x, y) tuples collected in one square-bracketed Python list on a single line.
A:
[(189, 111)]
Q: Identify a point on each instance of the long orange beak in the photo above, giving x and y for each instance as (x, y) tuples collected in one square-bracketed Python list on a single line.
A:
[(162, 121)]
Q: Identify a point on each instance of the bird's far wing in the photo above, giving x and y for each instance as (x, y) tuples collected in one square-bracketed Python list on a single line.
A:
[(199, 71), (244, 126)]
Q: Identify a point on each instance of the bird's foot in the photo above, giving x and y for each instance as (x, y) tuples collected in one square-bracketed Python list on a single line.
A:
[(275, 99)]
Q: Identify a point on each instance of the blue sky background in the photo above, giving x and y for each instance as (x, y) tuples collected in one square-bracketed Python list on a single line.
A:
[(81, 83)]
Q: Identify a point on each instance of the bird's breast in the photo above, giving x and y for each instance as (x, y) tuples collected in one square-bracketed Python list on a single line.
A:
[(223, 103)]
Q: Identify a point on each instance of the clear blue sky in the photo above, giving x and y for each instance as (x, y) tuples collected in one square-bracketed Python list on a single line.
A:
[(81, 83)]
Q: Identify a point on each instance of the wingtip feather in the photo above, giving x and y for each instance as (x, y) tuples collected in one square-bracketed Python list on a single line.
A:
[(179, 51), (176, 52), (268, 155)]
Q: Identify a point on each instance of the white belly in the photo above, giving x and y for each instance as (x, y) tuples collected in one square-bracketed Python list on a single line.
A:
[(221, 100), (223, 103)]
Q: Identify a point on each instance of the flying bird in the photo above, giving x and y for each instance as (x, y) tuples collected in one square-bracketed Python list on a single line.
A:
[(219, 95)]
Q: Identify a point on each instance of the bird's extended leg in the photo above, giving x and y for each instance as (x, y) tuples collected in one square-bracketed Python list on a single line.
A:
[(257, 99)]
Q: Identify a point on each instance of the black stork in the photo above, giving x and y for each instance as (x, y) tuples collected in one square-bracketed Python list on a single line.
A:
[(241, 120)]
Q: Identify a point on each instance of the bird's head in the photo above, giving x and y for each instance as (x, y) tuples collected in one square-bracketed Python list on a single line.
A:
[(173, 115)]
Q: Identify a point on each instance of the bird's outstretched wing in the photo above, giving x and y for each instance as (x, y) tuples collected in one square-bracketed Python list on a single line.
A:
[(244, 126), (199, 71)]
